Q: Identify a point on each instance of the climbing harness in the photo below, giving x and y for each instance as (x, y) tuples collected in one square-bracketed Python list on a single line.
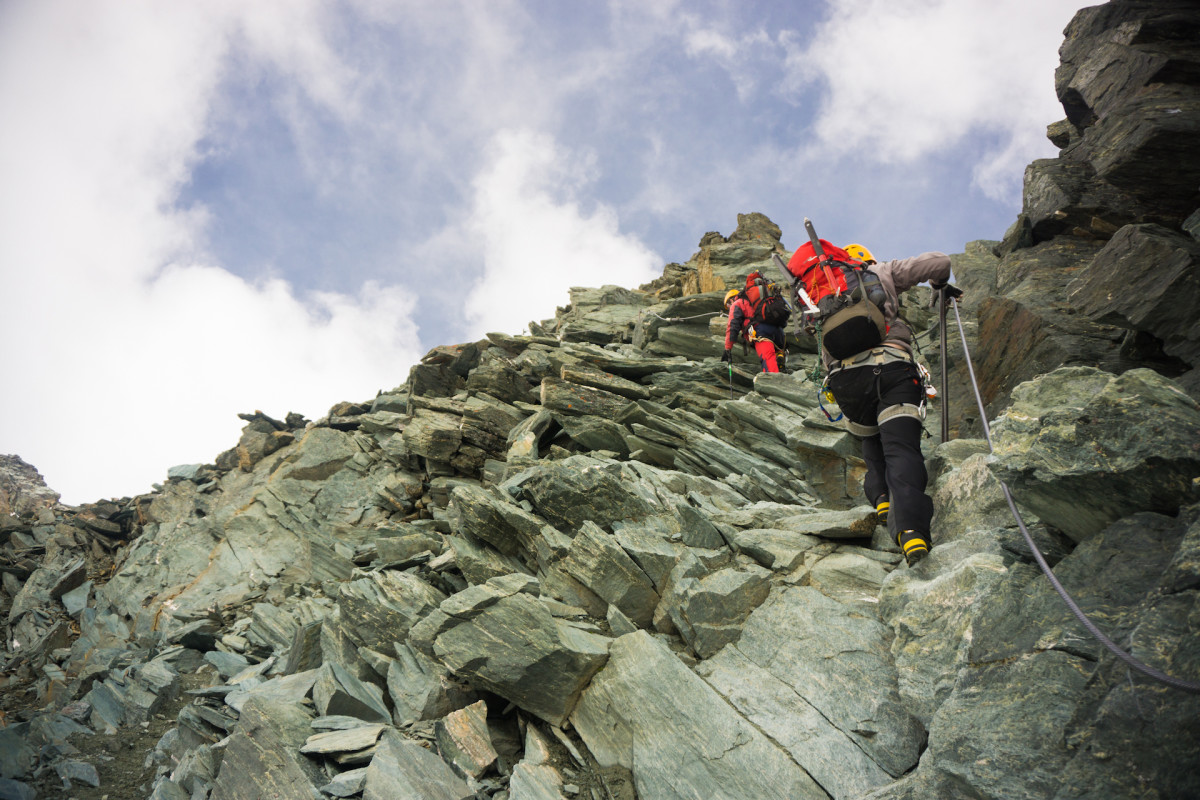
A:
[(1129, 659), (752, 336), (876, 358)]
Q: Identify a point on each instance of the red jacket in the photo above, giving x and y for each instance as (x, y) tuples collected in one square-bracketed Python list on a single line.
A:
[(740, 315)]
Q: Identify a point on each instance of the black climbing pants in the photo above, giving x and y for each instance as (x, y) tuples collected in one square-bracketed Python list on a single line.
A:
[(895, 466)]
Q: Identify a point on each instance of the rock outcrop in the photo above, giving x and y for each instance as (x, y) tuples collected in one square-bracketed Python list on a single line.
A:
[(1099, 268), (594, 562)]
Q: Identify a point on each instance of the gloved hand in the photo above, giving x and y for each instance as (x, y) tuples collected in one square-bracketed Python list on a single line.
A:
[(727, 356), (951, 293)]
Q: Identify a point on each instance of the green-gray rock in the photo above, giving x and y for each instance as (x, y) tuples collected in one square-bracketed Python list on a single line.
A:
[(1083, 448)]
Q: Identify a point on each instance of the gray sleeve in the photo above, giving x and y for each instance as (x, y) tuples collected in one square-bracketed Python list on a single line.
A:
[(905, 273)]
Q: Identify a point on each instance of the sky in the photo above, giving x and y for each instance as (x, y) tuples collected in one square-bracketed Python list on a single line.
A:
[(210, 207)]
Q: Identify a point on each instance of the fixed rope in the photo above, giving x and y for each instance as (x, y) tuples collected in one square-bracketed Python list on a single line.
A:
[(1116, 650), (684, 319)]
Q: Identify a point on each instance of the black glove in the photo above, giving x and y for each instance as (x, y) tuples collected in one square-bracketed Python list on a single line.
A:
[(727, 356), (951, 292)]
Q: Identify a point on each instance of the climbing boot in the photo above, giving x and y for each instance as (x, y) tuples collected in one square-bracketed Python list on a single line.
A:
[(882, 506), (914, 545)]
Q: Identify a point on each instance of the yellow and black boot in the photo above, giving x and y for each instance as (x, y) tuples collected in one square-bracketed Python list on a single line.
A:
[(914, 545), (882, 506)]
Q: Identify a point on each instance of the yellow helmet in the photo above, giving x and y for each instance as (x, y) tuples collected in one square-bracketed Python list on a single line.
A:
[(859, 252), (732, 293)]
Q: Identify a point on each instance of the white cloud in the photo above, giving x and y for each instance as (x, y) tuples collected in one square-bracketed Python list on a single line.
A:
[(738, 55), (907, 78), (126, 349), (536, 237)]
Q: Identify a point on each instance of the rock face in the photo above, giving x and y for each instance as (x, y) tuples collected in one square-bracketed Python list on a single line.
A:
[(1098, 270), (592, 562), (1079, 433), (22, 490)]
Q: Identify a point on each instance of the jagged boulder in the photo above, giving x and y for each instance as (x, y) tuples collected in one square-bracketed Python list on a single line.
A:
[(380, 609), (571, 492), (23, 491), (1147, 278), (403, 768), (1082, 448), (601, 316), (533, 659), (596, 560), (709, 610), (268, 733)]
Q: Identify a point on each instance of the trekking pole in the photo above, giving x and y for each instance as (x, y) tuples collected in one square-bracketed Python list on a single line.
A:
[(731, 381), (945, 394)]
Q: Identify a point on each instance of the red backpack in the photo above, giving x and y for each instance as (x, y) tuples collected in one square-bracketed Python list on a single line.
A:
[(821, 281), (849, 297)]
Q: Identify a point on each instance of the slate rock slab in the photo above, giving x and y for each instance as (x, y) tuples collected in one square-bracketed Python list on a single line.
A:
[(499, 637), (17, 753), (709, 610), (852, 576), (488, 516), (284, 688), (598, 561), (379, 609), (1165, 267), (1115, 753), (347, 784), (570, 492), (564, 397), (831, 757), (262, 758), (16, 790), (649, 713), (857, 523), (1001, 731), (775, 549), (403, 770), (932, 617), (337, 692), (827, 652), (1082, 448), (347, 740), (463, 740), (422, 689), (78, 771), (1025, 614)]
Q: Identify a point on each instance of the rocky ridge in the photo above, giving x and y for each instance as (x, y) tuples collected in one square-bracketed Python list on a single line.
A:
[(592, 562)]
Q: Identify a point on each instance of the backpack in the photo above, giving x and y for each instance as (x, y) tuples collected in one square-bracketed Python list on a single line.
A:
[(849, 297), (766, 300)]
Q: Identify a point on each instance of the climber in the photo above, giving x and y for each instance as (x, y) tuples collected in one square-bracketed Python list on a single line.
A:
[(767, 339), (881, 393)]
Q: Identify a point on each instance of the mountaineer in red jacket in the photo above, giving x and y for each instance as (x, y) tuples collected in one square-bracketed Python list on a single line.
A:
[(767, 340)]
